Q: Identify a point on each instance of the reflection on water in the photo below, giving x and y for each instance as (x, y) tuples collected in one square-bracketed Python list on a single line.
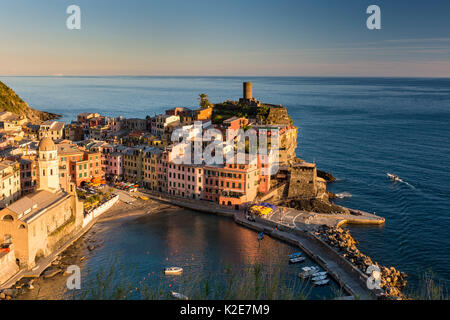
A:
[(210, 248)]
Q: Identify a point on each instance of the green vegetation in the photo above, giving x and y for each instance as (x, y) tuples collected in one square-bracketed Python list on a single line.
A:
[(228, 109), (204, 101), (429, 288), (10, 101)]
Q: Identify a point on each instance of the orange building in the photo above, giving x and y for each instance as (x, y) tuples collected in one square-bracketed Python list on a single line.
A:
[(203, 114), (232, 185), (81, 165)]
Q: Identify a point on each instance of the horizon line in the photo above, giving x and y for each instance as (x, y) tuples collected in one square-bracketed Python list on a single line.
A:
[(225, 76)]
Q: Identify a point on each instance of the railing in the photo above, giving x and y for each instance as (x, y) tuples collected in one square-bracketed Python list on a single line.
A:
[(99, 210)]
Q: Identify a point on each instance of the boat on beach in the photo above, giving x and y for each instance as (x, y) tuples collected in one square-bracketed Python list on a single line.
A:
[(297, 260), (173, 271)]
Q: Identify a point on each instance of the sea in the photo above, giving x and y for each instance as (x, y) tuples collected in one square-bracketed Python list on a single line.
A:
[(358, 129)]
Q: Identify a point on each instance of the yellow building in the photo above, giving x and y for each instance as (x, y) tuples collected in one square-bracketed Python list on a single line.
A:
[(52, 129), (150, 163), (9, 182), (40, 222)]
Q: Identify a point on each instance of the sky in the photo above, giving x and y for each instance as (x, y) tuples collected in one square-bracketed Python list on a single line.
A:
[(226, 38)]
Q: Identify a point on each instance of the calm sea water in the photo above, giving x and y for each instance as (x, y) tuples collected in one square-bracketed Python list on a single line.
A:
[(356, 128)]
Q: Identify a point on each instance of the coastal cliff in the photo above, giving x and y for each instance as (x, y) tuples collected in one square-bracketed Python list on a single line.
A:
[(10, 101)]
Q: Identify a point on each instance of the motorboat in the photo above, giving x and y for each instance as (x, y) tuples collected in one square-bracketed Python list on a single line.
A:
[(393, 177), (297, 260), (308, 271), (318, 278), (178, 296), (321, 282), (173, 270), (295, 255)]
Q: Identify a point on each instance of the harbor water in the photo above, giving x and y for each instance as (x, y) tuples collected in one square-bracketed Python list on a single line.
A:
[(356, 128)]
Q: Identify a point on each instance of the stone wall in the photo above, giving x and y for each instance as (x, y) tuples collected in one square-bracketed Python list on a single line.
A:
[(62, 234), (8, 266), (275, 193)]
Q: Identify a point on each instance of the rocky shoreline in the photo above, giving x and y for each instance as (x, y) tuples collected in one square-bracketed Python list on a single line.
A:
[(328, 177), (393, 282)]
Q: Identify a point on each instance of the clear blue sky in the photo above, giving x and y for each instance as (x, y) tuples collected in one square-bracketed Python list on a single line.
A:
[(225, 37)]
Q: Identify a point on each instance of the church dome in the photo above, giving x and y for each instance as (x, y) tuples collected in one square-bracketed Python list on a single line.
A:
[(46, 144)]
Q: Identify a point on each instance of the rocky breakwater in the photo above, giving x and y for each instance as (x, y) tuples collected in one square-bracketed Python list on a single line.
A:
[(314, 205), (393, 281)]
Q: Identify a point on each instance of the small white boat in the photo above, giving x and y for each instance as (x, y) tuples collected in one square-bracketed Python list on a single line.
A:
[(310, 268), (343, 195), (173, 270), (308, 271), (318, 274), (297, 259), (321, 282), (178, 296), (318, 278)]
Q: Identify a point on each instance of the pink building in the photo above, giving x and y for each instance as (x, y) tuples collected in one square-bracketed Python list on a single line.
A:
[(112, 160), (185, 180)]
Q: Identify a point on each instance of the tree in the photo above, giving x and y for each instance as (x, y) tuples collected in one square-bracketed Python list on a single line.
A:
[(204, 101)]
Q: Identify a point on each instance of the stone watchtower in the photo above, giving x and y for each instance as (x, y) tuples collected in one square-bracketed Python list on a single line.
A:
[(247, 97), (48, 173), (248, 91)]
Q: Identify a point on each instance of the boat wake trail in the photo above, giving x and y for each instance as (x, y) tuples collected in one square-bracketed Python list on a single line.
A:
[(407, 183)]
